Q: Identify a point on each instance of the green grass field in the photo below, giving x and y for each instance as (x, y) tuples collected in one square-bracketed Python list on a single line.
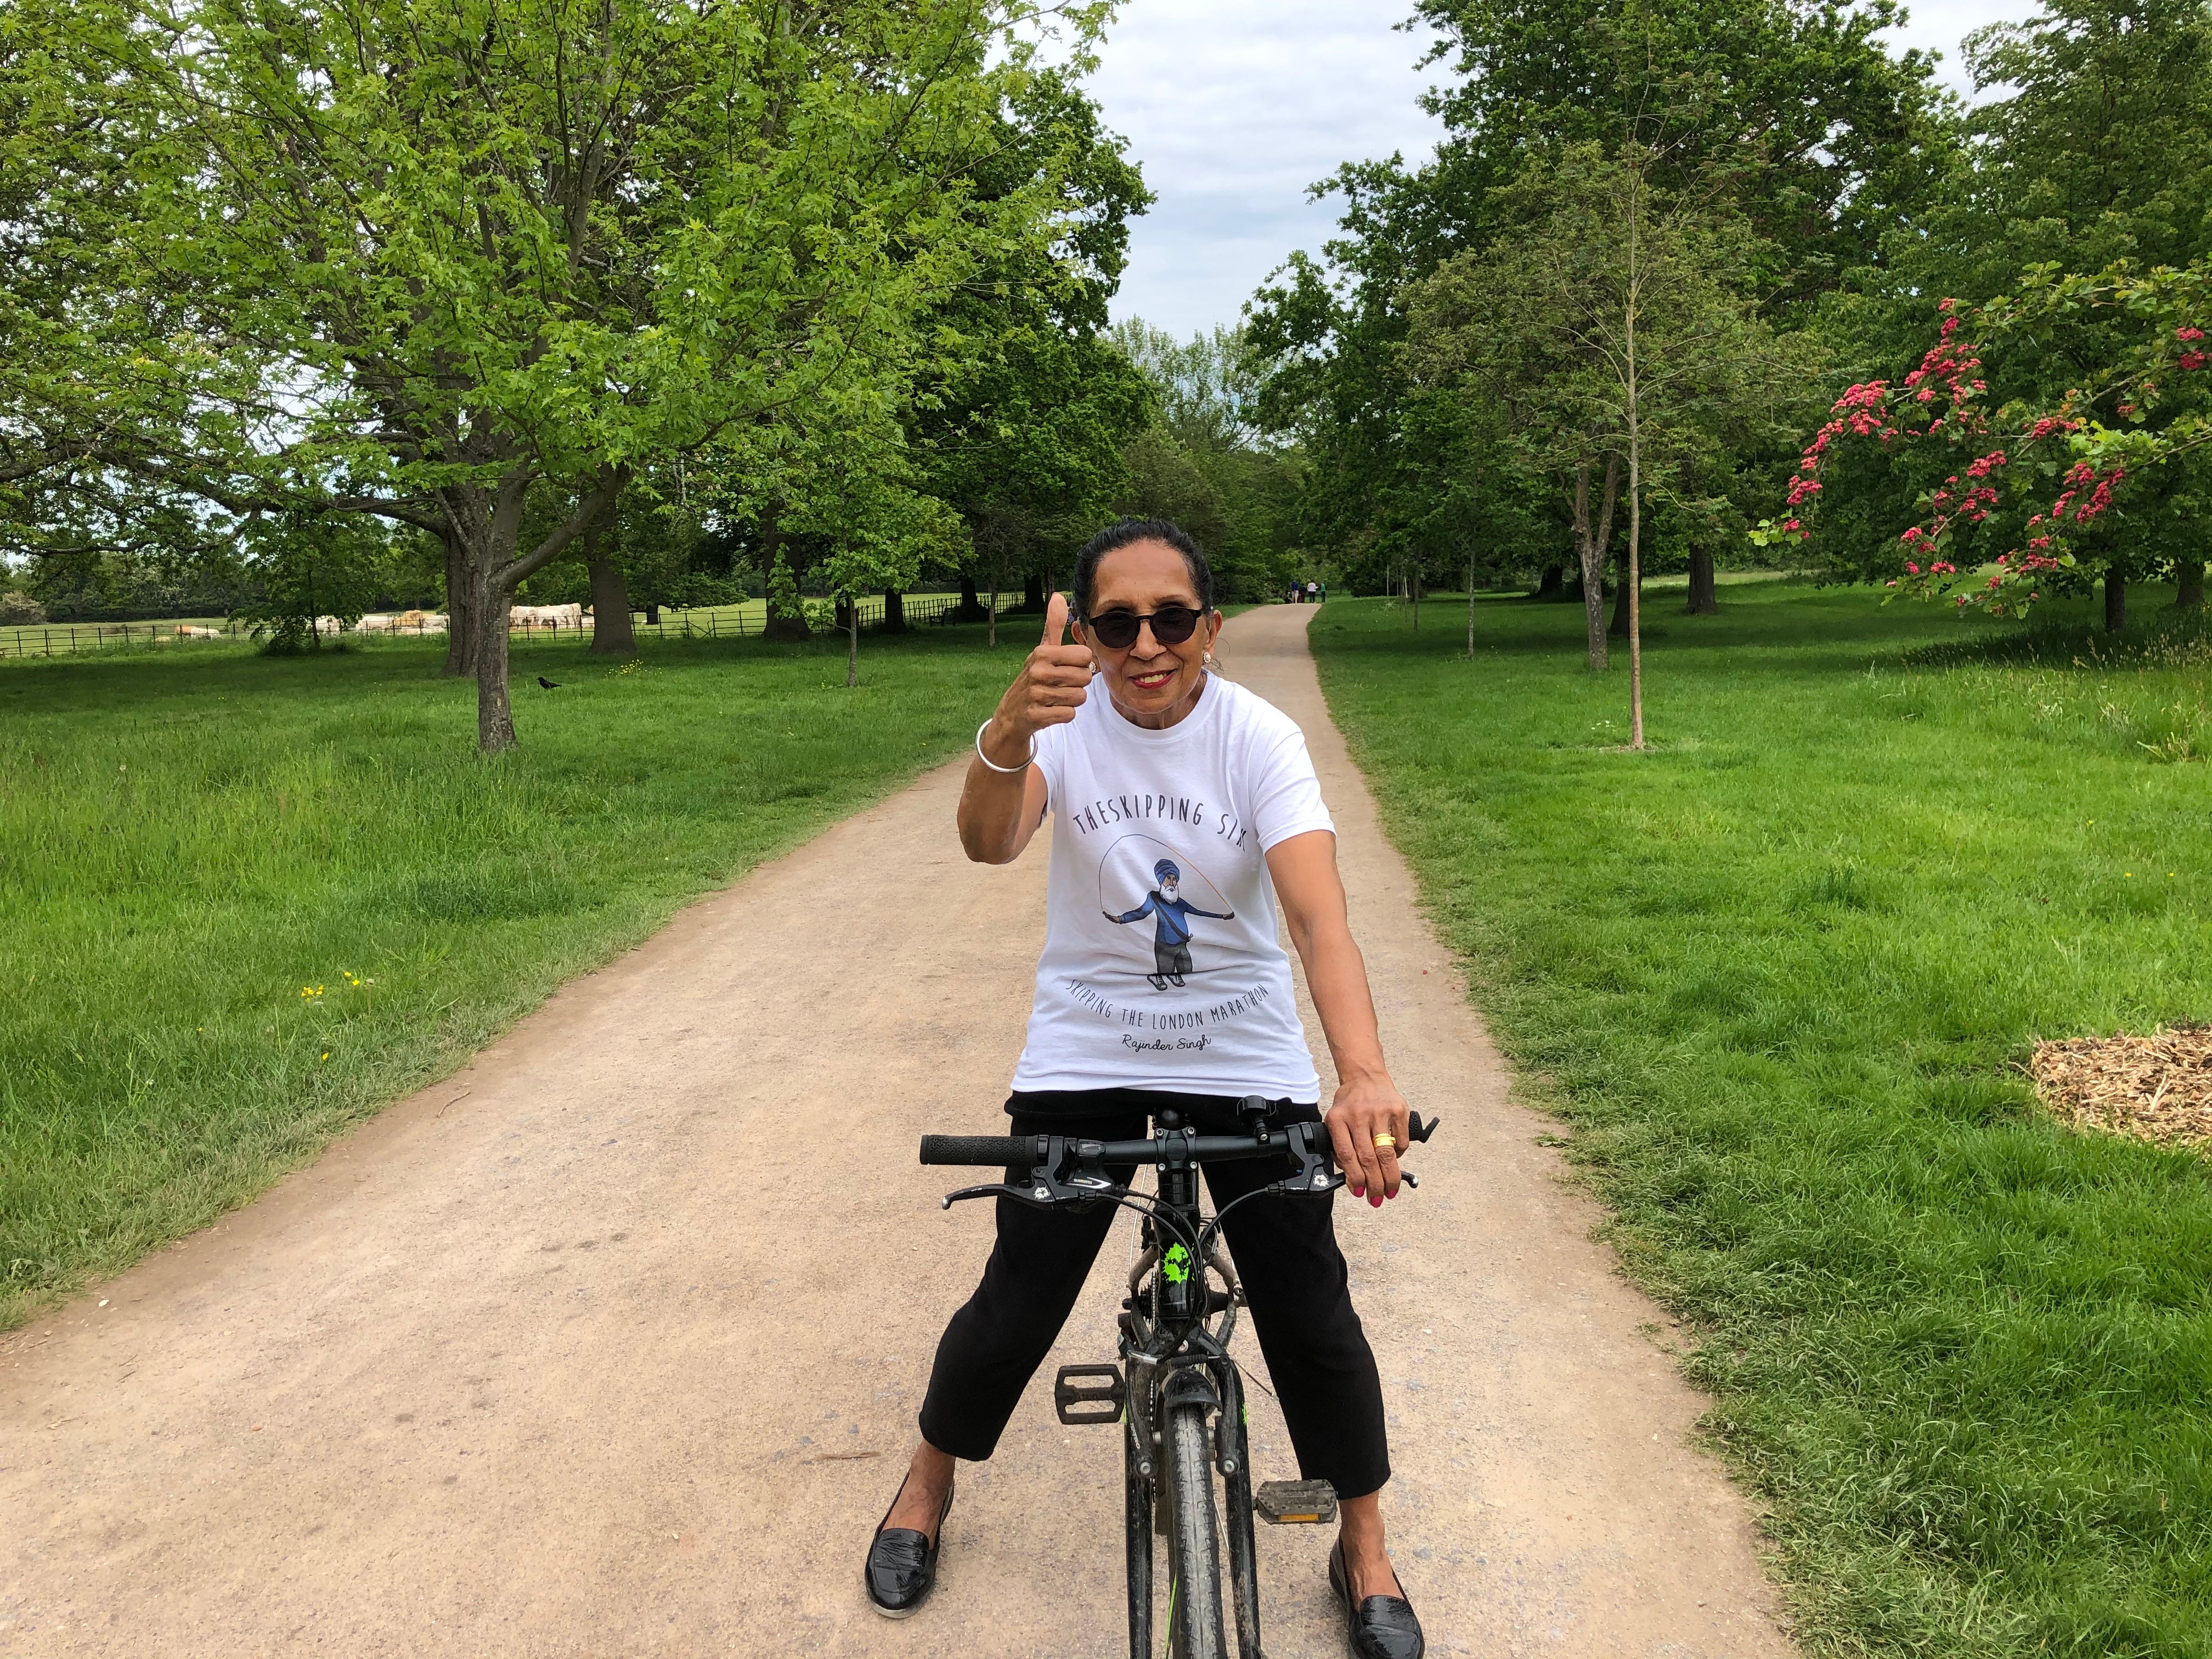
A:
[(1780, 976), (198, 848)]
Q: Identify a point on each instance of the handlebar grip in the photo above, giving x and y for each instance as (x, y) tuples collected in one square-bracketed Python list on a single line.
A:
[(995, 1149)]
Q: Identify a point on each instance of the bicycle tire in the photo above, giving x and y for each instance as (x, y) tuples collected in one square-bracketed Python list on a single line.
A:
[(1194, 1539)]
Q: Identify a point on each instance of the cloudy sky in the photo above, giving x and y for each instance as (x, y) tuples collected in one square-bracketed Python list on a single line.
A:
[(1234, 107)]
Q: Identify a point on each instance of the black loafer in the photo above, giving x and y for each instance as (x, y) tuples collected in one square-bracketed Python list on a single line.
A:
[(1382, 1626), (902, 1568)]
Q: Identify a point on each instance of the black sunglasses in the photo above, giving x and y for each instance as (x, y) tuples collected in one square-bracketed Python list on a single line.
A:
[(1171, 625)]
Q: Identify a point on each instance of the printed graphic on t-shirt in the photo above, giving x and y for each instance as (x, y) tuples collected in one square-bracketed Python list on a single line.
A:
[(1167, 903)]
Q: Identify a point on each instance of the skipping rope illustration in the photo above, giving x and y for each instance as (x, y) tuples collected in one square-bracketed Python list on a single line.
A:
[(1171, 913)]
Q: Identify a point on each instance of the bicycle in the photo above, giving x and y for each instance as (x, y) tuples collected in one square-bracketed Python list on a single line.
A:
[(1184, 1421)]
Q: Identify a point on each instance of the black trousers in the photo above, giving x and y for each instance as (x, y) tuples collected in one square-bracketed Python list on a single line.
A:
[(1285, 1248)]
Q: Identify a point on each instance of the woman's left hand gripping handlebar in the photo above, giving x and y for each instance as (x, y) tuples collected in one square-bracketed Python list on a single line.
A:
[(1364, 1108)]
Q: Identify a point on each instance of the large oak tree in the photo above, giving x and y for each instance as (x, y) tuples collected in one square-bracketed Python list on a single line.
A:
[(432, 259)]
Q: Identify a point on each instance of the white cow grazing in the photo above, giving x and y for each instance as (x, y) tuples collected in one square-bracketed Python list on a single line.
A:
[(377, 622), (545, 616)]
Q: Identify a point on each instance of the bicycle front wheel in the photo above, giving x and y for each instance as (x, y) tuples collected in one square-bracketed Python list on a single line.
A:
[(1194, 1539)]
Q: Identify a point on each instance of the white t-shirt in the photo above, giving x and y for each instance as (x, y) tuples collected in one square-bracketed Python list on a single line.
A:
[(1161, 967)]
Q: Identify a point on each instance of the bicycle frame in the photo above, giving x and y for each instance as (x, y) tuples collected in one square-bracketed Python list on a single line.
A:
[(1166, 1344)]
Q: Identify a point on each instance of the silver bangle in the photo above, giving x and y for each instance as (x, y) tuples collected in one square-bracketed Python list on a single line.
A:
[(1005, 771)]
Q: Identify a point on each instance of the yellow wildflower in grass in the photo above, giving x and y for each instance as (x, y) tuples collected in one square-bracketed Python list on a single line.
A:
[(309, 993)]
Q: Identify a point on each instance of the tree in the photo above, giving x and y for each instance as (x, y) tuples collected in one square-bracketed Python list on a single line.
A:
[(1021, 426), (1615, 319), (2093, 156), (1828, 141), (2100, 150), (437, 258), (1825, 138), (885, 532), (1206, 463), (79, 372), (2046, 479)]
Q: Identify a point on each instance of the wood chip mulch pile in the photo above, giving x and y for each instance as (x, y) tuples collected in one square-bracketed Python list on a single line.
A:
[(2156, 1088)]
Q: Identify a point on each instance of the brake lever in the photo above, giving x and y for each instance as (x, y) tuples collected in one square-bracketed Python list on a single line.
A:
[(996, 1189), (1309, 1148), (1046, 1186), (1317, 1172)]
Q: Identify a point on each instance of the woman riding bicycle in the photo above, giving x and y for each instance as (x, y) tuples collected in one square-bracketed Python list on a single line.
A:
[(1177, 795)]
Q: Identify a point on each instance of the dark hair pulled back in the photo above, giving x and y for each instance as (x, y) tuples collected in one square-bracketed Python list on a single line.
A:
[(1123, 533)]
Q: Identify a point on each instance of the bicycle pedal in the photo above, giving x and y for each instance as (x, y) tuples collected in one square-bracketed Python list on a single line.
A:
[(1090, 1394), (1295, 1503)]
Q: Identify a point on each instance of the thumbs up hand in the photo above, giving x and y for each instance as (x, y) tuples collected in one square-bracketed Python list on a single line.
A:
[(1053, 683)]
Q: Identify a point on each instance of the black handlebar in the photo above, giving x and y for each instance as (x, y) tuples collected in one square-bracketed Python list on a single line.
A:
[(1000, 1150), (1022, 1152)]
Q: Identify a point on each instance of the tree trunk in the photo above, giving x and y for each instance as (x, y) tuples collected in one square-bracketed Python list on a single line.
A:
[(1705, 596), (653, 613), (1633, 386), (495, 714), (894, 611), (1635, 583), (1551, 587), (852, 645), (1033, 592), (2189, 585), (460, 629), (611, 633), (1589, 552), (971, 607), (1623, 602), (485, 524), (2115, 601)]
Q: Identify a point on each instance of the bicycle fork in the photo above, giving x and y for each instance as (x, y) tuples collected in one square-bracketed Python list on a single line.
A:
[(1233, 1457)]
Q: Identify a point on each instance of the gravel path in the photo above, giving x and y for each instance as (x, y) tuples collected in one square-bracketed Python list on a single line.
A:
[(611, 1344)]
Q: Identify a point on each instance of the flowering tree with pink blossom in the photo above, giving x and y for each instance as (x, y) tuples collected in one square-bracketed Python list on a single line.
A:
[(2036, 472)]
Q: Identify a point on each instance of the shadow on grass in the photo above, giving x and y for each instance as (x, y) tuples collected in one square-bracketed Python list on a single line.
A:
[(2067, 637)]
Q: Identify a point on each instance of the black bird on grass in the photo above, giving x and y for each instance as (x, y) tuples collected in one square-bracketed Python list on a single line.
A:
[(550, 685)]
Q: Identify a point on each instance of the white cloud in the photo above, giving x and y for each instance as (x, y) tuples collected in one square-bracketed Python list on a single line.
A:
[(1236, 106)]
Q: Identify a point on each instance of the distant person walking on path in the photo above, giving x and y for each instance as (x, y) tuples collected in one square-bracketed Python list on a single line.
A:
[(1188, 776), (1313, 593)]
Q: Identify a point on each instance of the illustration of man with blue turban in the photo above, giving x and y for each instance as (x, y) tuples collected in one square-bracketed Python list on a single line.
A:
[(1171, 913)]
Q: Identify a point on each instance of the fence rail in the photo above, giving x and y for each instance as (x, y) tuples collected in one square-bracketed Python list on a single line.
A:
[(62, 639)]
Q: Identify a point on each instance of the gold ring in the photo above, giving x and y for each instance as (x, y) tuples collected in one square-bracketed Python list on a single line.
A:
[(1386, 1140)]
